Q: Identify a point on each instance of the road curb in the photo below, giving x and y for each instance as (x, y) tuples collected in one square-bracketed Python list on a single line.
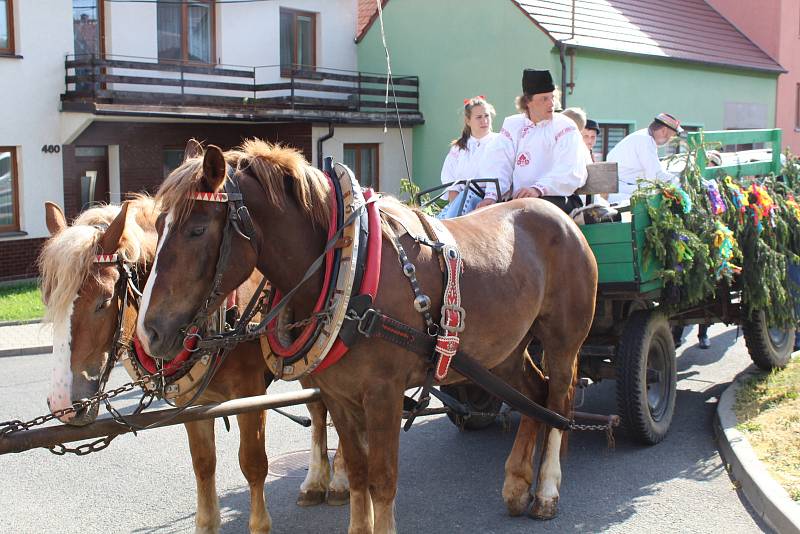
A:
[(26, 351), (768, 498), (18, 323)]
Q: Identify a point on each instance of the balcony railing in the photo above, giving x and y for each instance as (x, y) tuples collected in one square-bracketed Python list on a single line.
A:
[(257, 91)]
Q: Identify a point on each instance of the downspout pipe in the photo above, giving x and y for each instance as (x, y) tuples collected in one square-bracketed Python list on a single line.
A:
[(321, 140), (562, 50)]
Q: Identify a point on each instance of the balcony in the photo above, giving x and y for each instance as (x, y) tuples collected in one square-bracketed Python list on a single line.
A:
[(141, 87)]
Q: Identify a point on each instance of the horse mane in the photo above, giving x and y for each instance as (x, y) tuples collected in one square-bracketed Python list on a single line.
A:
[(67, 257), (281, 171)]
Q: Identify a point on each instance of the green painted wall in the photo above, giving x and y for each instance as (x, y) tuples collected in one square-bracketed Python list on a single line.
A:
[(634, 89), (462, 48)]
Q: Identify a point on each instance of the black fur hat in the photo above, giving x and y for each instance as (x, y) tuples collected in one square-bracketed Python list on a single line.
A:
[(537, 81)]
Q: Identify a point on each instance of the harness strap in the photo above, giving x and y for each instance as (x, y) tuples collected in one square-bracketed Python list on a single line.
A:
[(373, 323), (452, 321)]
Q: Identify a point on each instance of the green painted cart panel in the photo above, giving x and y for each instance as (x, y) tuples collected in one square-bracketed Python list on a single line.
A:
[(619, 250)]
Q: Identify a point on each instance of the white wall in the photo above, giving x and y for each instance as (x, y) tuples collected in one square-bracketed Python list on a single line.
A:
[(29, 107), (247, 34), (391, 164)]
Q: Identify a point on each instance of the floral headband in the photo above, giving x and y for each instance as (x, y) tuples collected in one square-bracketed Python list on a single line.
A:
[(468, 100)]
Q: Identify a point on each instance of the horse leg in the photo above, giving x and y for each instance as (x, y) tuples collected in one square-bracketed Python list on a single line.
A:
[(339, 489), (353, 442), (204, 462), (562, 371), (523, 375), (383, 405), (254, 465), (315, 485)]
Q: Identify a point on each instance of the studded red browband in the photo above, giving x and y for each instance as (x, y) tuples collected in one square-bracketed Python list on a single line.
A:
[(106, 258), (209, 197)]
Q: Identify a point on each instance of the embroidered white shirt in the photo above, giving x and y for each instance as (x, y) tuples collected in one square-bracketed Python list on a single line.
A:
[(549, 156), (465, 164), (637, 157)]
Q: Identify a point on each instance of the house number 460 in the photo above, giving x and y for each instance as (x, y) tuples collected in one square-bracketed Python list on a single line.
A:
[(51, 149)]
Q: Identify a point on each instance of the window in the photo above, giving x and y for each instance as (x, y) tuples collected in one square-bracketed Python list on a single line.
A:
[(610, 134), (298, 40), (186, 30), (9, 202), (173, 157), (6, 27), (363, 161)]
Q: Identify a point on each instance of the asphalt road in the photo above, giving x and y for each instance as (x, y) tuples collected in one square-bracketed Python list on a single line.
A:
[(450, 481)]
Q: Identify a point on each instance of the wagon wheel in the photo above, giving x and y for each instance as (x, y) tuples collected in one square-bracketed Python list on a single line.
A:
[(646, 379), (769, 348), (478, 401)]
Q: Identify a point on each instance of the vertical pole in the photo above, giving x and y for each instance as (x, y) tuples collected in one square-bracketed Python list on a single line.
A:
[(358, 94), (93, 67), (292, 87)]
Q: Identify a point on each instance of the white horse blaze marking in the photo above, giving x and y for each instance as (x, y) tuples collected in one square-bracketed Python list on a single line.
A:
[(148, 290), (60, 395), (551, 467)]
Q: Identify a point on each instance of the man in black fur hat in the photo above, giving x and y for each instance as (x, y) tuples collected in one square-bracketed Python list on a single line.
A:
[(538, 154)]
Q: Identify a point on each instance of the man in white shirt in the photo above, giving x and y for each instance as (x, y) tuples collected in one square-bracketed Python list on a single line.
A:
[(538, 154), (637, 155)]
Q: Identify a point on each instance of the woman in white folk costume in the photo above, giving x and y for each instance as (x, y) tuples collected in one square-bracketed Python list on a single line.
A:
[(538, 153), (463, 158)]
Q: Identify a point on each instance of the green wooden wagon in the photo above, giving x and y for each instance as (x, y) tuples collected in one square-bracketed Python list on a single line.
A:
[(631, 339)]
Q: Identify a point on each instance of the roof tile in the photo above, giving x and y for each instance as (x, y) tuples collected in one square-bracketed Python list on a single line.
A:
[(690, 30)]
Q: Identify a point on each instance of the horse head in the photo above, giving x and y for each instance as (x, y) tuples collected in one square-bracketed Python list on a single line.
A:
[(81, 287), (191, 230), (282, 197)]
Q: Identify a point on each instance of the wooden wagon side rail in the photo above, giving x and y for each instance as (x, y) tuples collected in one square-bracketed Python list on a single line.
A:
[(150, 82), (700, 140), (50, 436)]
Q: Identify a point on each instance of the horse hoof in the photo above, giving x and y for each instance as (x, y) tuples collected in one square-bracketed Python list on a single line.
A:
[(311, 497), (519, 504), (543, 509), (338, 497)]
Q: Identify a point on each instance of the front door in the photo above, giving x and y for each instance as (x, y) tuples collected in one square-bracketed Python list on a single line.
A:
[(92, 168)]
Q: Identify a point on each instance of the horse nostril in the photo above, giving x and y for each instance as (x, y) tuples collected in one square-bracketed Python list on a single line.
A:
[(152, 333)]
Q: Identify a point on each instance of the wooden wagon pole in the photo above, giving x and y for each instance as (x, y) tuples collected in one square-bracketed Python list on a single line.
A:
[(47, 437)]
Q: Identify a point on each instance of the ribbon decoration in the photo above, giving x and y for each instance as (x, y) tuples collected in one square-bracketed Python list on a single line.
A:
[(468, 100), (724, 246), (714, 198), (763, 206)]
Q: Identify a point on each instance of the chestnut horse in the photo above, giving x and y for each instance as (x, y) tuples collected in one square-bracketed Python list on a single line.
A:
[(82, 303), (528, 272)]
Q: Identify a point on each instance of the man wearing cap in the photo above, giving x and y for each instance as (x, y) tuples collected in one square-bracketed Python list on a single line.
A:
[(590, 133), (538, 154), (637, 155)]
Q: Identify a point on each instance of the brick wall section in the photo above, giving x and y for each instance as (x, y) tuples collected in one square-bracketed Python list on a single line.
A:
[(141, 167), (18, 258), (142, 145)]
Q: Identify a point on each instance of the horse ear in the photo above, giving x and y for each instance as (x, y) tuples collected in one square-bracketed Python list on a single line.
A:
[(109, 243), (193, 149), (54, 218), (214, 168)]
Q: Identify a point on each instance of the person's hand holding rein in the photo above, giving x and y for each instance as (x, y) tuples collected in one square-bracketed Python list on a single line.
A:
[(485, 202)]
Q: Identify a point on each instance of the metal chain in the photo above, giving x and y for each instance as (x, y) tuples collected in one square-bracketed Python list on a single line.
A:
[(607, 428), (10, 427)]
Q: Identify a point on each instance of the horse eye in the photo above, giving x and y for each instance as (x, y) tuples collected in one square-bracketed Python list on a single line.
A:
[(103, 305), (197, 231)]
